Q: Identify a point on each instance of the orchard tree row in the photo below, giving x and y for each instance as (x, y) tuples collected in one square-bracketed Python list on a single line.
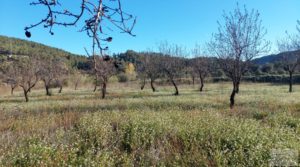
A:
[(239, 39)]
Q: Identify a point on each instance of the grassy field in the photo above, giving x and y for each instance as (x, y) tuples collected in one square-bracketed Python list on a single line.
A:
[(140, 128)]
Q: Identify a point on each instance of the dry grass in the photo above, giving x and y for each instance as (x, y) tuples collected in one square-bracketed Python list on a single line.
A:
[(144, 128)]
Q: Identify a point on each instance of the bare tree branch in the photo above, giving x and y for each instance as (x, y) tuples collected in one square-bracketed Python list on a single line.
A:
[(95, 14)]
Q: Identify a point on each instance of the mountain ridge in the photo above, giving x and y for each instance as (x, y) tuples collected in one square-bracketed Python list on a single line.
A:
[(273, 58), (16, 46)]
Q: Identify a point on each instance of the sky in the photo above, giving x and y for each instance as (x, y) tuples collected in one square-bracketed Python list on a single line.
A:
[(183, 22)]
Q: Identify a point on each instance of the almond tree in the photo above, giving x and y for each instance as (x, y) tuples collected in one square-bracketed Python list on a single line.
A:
[(76, 77), (189, 71), (141, 72), (238, 40), (152, 69), (105, 70), (28, 69), (200, 65), (290, 47), (61, 79), (201, 68), (51, 70), (149, 67), (172, 62), (96, 17), (10, 74)]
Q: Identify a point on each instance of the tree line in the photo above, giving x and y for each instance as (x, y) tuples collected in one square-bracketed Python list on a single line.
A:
[(171, 63)]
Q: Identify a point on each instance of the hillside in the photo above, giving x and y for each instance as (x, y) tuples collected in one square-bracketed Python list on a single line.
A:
[(273, 58), (15, 46)]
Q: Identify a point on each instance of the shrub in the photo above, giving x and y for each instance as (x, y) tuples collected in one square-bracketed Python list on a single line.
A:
[(122, 78), (260, 115), (153, 139)]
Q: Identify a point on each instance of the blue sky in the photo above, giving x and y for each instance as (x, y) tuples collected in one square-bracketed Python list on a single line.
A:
[(183, 22)]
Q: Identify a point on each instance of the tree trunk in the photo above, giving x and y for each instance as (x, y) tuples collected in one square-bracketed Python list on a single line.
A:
[(143, 84), (193, 78), (12, 90), (26, 95), (176, 89), (60, 89), (103, 90), (232, 98), (76, 85), (96, 80), (237, 88), (47, 90), (95, 88), (291, 82), (201, 83), (233, 93), (152, 85)]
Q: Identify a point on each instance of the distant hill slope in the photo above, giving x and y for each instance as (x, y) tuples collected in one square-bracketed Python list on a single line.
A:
[(9, 45), (15, 46), (273, 58)]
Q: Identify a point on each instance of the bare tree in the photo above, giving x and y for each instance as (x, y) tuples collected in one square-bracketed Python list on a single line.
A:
[(75, 77), (152, 69), (9, 75), (98, 16), (140, 65), (61, 73), (172, 62), (52, 70), (46, 74), (148, 67), (201, 68), (200, 65), (27, 73), (193, 75), (142, 76), (290, 46), (13, 85), (105, 69), (62, 78), (91, 71), (237, 42), (96, 83), (60, 82), (11, 80), (189, 71)]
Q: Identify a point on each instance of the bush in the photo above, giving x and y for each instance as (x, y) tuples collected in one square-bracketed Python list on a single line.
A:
[(260, 115), (122, 78), (272, 78)]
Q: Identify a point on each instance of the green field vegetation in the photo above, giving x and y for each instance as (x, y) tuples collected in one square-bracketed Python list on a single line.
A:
[(140, 128)]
